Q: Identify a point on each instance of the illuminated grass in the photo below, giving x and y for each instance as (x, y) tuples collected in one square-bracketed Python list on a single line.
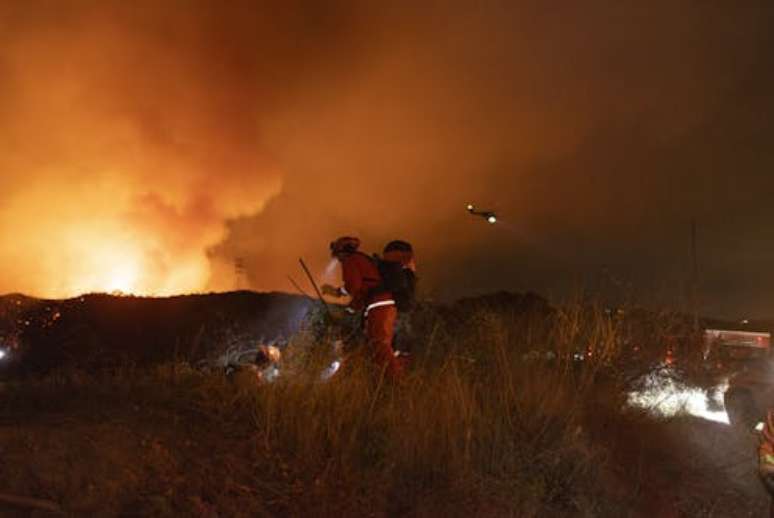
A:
[(494, 418)]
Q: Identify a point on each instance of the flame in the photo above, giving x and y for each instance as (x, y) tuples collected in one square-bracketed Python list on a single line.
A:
[(123, 278), (103, 263), (109, 235), (120, 182)]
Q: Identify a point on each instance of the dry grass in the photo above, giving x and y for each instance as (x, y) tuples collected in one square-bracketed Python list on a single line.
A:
[(483, 423)]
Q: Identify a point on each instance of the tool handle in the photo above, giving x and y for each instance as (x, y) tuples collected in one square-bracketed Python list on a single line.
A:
[(314, 284)]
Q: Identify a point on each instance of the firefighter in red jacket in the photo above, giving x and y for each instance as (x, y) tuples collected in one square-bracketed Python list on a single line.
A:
[(362, 283)]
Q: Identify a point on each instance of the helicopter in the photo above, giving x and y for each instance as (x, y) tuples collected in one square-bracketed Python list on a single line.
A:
[(488, 215)]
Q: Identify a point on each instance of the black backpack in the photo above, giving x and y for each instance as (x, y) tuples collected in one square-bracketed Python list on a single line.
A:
[(399, 281)]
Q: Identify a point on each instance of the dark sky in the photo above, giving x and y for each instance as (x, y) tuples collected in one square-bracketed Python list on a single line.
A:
[(145, 145)]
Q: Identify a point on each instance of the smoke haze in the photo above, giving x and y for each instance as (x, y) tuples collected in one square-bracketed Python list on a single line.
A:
[(146, 147)]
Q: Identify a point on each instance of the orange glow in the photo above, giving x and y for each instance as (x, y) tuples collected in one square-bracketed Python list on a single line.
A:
[(106, 236), (121, 165), (122, 276), (109, 265)]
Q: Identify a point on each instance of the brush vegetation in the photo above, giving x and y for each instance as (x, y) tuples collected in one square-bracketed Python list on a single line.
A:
[(495, 417)]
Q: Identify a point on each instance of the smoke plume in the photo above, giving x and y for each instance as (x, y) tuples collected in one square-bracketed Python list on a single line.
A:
[(147, 146)]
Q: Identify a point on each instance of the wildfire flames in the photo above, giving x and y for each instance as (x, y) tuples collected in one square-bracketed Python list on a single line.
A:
[(111, 265), (83, 259), (122, 159), (106, 237)]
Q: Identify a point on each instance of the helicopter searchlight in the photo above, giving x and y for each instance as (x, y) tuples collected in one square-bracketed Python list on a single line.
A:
[(488, 215)]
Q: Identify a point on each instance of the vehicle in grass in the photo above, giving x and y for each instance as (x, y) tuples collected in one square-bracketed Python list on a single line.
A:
[(750, 394), (745, 356)]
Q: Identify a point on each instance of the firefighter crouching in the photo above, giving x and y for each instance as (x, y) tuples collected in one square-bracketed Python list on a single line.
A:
[(363, 283)]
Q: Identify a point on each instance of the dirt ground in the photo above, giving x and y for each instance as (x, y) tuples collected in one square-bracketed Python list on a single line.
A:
[(690, 467), (719, 467)]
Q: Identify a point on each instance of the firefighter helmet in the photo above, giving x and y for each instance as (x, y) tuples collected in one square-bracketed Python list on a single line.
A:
[(398, 246), (346, 245)]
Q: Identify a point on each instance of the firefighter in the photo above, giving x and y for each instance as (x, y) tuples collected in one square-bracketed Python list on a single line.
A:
[(363, 284), (766, 457), (402, 252)]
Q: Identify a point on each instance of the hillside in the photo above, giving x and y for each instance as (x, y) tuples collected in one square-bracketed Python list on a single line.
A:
[(98, 329)]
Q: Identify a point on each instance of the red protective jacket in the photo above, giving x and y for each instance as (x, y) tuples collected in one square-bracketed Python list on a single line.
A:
[(361, 276)]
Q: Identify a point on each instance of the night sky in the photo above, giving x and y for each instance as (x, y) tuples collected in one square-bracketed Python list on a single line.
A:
[(146, 145)]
